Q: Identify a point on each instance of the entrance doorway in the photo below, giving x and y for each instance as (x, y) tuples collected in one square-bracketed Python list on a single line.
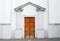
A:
[(29, 27)]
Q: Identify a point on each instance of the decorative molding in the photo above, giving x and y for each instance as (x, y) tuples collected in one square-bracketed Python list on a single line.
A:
[(20, 8), (40, 9), (54, 23), (5, 24)]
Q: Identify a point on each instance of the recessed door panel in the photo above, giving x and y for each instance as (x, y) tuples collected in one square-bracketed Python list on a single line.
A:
[(27, 24), (32, 29), (32, 24)]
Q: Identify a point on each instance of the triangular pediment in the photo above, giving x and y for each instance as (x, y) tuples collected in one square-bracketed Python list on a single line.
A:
[(38, 8)]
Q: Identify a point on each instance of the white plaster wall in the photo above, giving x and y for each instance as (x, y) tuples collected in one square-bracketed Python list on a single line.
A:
[(13, 23), (11, 4), (1, 31), (54, 31), (6, 33), (39, 29), (13, 20), (40, 33), (5, 10), (5, 30), (58, 27), (7, 5), (19, 34), (29, 10), (16, 3), (54, 11), (1, 11), (20, 25)]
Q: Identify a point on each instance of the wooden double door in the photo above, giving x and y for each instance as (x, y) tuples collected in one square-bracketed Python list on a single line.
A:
[(29, 27)]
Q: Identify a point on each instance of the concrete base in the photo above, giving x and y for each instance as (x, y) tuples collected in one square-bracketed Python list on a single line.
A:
[(52, 39)]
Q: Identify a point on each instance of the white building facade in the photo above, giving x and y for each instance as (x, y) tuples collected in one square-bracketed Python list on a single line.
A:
[(12, 24)]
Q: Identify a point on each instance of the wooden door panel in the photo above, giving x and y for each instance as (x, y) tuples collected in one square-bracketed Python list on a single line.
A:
[(26, 19), (32, 29), (32, 33), (29, 26), (27, 33), (27, 29), (32, 20), (32, 24)]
